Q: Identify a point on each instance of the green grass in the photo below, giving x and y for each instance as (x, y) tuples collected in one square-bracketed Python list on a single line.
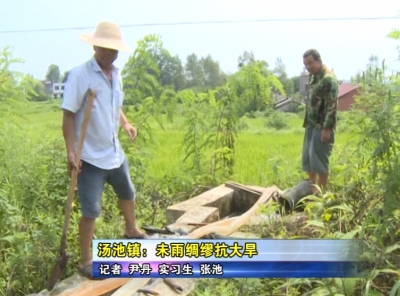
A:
[(36, 183), (263, 156)]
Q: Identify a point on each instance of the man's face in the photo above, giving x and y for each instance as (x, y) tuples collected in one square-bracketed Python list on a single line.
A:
[(105, 56), (312, 66)]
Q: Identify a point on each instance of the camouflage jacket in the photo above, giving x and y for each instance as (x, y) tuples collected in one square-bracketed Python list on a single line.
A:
[(322, 100)]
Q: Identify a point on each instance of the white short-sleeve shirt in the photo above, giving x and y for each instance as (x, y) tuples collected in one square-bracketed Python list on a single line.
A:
[(101, 147)]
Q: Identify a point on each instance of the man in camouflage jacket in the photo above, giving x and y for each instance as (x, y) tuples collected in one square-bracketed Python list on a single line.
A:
[(320, 119)]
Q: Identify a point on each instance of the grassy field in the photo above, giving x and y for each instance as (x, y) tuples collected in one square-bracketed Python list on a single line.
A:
[(263, 156), (363, 192), (35, 184)]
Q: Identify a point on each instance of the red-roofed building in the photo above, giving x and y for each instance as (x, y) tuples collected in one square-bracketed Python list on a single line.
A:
[(347, 94)]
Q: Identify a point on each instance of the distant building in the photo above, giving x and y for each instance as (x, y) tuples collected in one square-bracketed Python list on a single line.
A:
[(303, 84), (347, 95), (48, 87), (58, 90), (54, 89), (278, 97), (287, 105)]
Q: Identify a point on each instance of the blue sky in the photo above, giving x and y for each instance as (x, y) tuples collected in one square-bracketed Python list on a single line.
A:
[(345, 46)]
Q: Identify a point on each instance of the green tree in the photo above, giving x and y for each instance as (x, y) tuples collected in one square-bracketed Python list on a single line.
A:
[(12, 92), (142, 87), (296, 83), (252, 84), (280, 72), (34, 89), (53, 73), (368, 76), (245, 59), (171, 70), (395, 35), (213, 76), (141, 73), (65, 76), (194, 72)]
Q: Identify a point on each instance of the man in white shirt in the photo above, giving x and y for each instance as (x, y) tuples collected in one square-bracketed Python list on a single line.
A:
[(102, 160)]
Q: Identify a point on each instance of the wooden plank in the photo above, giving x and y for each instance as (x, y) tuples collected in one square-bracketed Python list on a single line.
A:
[(100, 287), (212, 197), (238, 186), (131, 287)]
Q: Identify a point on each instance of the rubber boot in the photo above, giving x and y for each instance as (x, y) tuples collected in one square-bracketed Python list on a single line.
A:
[(289, 199)]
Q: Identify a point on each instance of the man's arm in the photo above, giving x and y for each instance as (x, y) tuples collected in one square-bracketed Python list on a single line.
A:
[(72, 101), (131, 130), (123, 121), (68, 128), (330, 97)]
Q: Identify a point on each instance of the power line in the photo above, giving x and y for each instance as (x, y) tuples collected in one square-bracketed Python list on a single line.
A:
[(212, 22)]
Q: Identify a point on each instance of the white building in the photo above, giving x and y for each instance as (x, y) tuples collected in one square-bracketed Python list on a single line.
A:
[(58, 90)]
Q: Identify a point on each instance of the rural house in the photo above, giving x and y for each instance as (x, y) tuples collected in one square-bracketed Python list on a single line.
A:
[(55, 89), (303, 84), (48, 87), (287, 105), (347, 94), (58, 90)]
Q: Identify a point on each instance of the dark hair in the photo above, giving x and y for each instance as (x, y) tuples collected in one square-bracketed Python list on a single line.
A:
[(314, 53)]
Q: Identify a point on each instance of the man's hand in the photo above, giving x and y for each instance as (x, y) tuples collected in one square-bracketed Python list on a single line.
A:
[(72, 165), (131, 131), (325, 135)]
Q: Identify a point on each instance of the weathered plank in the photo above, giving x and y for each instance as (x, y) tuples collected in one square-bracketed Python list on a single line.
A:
[(131, 287), (101, 287), (219, 197)]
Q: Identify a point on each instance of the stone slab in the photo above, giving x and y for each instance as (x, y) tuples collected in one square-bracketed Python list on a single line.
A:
[(200, 215), (219, 197), (195, 215)]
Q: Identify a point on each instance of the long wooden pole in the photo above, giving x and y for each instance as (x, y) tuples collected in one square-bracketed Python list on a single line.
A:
[(63, 259)]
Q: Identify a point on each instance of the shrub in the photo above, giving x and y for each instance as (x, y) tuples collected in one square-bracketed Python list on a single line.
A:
[(277, 121)]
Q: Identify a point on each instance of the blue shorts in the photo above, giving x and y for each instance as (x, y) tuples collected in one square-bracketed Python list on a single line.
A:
[(315, 153), (91, 181)]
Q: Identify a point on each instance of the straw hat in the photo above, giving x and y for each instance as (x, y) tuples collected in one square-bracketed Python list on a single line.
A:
[(107, 35)]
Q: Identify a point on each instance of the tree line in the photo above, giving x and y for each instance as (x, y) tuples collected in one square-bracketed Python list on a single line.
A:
[(198, 74)]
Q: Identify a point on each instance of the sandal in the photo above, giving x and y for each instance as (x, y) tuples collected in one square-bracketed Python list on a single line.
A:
[(87, 272)]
